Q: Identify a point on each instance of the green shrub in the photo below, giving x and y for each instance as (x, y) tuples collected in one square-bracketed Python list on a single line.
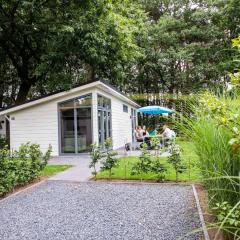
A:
[(176, 160), (228, 218), (110, 160), (22, 166), (96, 155), (144, 163), (158, 168), (3, 143)]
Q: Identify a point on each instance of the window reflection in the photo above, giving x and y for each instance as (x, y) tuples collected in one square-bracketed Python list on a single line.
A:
[(104, 119), (76, 124)]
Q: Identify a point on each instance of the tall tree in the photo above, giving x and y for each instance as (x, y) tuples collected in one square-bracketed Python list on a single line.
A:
[(53, 44), (188, 45)]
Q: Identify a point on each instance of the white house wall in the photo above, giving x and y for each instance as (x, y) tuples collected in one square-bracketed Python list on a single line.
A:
[(39, 124)]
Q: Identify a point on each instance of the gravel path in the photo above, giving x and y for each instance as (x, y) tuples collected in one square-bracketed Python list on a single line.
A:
[(75, 211)]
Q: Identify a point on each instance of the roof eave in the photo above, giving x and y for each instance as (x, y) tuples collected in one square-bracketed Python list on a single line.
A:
[(68, 92)]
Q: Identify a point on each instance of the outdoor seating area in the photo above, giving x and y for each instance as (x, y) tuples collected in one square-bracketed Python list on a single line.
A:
[(166, 137), (160, 138)]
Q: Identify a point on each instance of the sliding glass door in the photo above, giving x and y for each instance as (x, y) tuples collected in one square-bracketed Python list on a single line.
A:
[(76, 125), (104, 119), (84, 129)]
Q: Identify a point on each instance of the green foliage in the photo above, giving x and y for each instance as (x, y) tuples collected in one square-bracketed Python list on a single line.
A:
[(96, 155), (3, 143), (52, 45), (148, 164), (189, 158), (22, 166), (218, 160), (144, 163), (215, 133), (184, 46), (155, 143), (158, 168), (176, 160), (160, 46), (228, 218), (110, 160)]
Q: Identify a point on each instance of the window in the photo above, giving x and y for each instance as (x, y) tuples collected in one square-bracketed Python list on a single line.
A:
[(104, 103), (104, 119), (125, 108)]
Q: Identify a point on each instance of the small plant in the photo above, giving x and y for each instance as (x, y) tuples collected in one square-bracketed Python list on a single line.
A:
[(144, 163), (155, 143), (175, 160), (96, 155), (3, 143), (110, 160), (158, 168), (228, 218)]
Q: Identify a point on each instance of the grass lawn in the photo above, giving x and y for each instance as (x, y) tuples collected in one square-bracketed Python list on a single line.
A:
[(123, 171), (51, 170)]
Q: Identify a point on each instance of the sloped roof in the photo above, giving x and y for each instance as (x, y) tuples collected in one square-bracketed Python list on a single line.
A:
[(112, 90)]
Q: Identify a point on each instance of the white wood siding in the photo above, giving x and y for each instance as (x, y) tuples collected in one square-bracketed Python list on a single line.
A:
[(37, 124)]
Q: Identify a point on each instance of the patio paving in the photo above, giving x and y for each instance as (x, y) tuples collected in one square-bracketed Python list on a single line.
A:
[(80, 172), (99, 211)]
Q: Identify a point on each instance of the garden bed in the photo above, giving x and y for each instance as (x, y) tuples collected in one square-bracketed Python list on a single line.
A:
[(208, 217), (123, 172), (124, 169)]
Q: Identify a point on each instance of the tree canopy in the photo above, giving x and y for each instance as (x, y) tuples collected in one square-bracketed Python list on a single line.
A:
[(143, 46)]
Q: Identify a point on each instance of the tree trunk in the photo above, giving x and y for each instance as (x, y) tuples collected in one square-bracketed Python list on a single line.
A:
[(23, 92), (90, 72), (95, 173)]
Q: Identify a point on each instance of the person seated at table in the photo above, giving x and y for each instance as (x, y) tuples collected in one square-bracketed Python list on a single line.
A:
[(140, 138), (167, 134), (144, 131), (146, 137), (139, 134)]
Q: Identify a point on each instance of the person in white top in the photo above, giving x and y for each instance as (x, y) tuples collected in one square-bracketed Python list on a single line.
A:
[(168, 133)]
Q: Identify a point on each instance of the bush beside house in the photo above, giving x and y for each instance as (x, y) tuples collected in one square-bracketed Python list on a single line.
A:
[(20, 167)]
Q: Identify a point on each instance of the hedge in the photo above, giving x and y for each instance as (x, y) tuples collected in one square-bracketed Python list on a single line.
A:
[(18, 168)]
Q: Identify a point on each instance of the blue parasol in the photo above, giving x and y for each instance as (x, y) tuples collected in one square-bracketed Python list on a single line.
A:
[(155, 110)]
